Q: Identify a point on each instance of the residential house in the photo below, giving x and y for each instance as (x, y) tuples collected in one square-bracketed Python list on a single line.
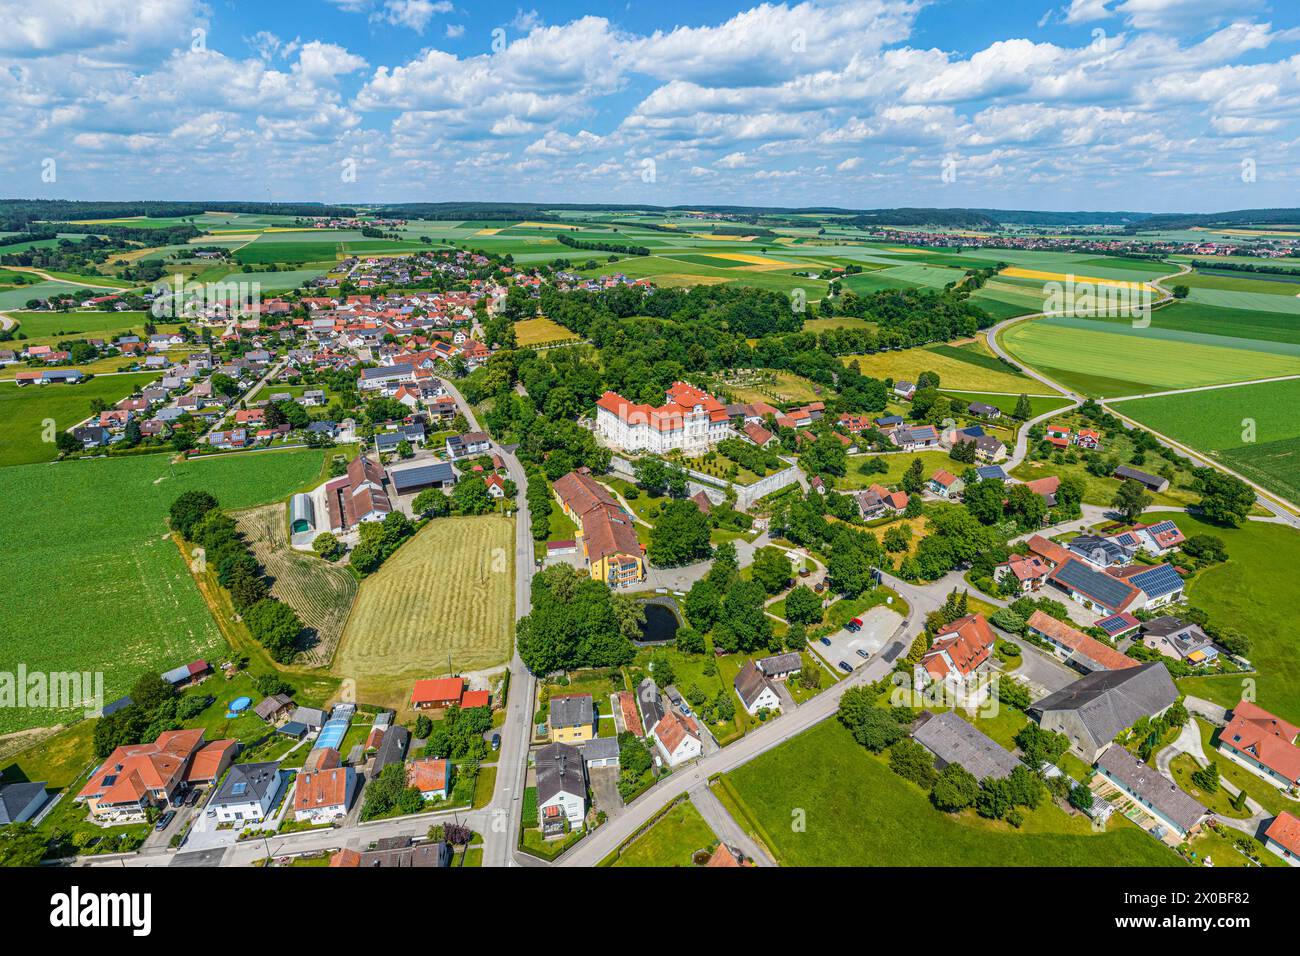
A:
[(437, 693), (1157, 585), (905, 389), (561, 787), (1076, 648), (1283, 837), (1151, 790), (572, 719), (945, 484), (468, 445), (1179, 639), (983, 410), (1100, 553), (1263, 743), (677, 738), (431, 776), (780, 666), (755, 689), (323, 795), (1098, 706), (605, 531), (1093, 589), (960, 650), (135, 776), (915, 438), (247, 794), (879, 502), (1030, 571), (210, 762), (396, 741), (21, 802)]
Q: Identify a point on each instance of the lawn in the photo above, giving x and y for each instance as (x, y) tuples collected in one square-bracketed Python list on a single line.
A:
[(443, 603), (25, 411), (1247, 593), (1138, 360), (671, 840), (897, 463), (91, 551), (1251, 429), (857, 812)]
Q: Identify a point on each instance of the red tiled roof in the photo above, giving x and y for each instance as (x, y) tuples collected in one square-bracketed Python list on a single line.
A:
[(1105, 655), (475, 698), (631, 717), (427, 774), (967, 641), (437, 690), (1048, 549), (207, 762), (672, 729), (1285, 831), (325, 788), (1266, 737)]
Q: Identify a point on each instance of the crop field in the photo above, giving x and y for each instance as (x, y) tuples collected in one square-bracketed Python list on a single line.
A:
[(541, 331), (25, 410), (321, 592), (66, 325), (860, 813), (1188, 316), (93, 581), (1252, 429), (1255, 301), (19, 296), (965, 368), (266, 249), (1112, 359), (444, 600), (1242, 282), (770, 386)]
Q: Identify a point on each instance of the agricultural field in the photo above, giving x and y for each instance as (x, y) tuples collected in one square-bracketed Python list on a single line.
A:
[(1038, 404), (968, 367), (1232, 324), (444, 600), (92, 552), (1251, 428), (1111, 359), (53, 326), (860, 813), (541, 331), (321, 592), (1241, 282), (24, 411)]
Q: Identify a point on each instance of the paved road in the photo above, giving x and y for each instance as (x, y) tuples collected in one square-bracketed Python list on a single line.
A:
[(77, 283)]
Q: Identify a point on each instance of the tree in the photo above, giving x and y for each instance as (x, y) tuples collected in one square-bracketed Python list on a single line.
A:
[(680, 535), (276, 627), (432, 502), (1207, 777), (1039, 746), (771, 569), (327, 546), (872, 726), (744, 624), (1081, 797), (954, 789), (897, 538), (187, 510), (1131, 500), (572, 624), (912, 762), (703, 604), (913, 479), (21, 844), (470, 496), (1224, 499), (803, 606), (1024, 410)]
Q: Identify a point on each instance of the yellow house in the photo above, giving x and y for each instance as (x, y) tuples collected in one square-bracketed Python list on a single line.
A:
[(573, 719), (605, 532)]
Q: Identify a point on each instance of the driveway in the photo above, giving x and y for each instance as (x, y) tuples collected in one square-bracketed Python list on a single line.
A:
[(604, 790)]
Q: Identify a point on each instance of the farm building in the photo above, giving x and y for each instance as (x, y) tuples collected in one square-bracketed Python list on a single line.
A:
[(186, 673), (437, 693), (419, 477), (953, 740), (303, 514), (1151, 482)]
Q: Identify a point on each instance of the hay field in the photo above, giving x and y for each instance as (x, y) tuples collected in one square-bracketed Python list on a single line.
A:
[(541, 331), (448, 591)]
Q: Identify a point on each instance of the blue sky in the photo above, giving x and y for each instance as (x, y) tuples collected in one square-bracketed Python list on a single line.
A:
[(1149, 105)]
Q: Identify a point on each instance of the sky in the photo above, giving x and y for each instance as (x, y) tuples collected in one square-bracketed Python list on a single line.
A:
[(1141, 105)]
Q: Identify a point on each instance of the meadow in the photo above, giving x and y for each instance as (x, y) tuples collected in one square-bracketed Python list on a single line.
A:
[(859, 813), (39, 326), (93, 579), (972, 368), (1111, 359), (444, 600), (1252, 428), (24, 411), (531, 333), (670, 841)]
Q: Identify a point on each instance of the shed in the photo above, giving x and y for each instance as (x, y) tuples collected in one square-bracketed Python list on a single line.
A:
[(303, 513)]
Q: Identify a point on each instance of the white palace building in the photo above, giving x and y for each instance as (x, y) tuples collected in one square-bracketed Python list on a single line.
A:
[(690, 420)]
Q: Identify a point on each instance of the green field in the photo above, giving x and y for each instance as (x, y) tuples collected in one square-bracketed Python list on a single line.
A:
[(1250, 593), (92, 579), (1110, 359), (670, 841), (859, 813), (1252, 429), (25, 410), (969, 367)]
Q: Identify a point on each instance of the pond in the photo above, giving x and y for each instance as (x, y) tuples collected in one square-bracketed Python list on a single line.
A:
[(660, 623)]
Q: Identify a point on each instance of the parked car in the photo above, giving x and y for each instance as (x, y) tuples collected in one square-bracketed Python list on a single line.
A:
[(819, 587), (804, 572), (863, 653), (496, 741), (192, 799), (164, 820), (846, 667), (826, 641)]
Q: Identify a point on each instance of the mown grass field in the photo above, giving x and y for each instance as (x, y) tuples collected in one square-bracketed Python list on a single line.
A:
[(24, 411), (320, 591), (40, 325), (859, 813), (93, 581), (969, 367), (541, 331), (1252, 429), (1250, 593), (1098, 358), (444, 601)]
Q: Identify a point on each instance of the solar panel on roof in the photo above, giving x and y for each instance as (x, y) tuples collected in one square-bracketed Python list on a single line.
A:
[(1159, 580)]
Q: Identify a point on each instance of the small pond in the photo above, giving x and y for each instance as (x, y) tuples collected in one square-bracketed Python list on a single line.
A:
[(661, 623)]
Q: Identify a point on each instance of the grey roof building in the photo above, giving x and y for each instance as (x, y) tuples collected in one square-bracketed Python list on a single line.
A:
[(648, 700), (1096, 707), (392, 749), (953, 740), (19, 802), (1158, 795), (575, 711), (780, 665), (560, 770), (247, 783), (311, 717), (600, 752), (400, 851)]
